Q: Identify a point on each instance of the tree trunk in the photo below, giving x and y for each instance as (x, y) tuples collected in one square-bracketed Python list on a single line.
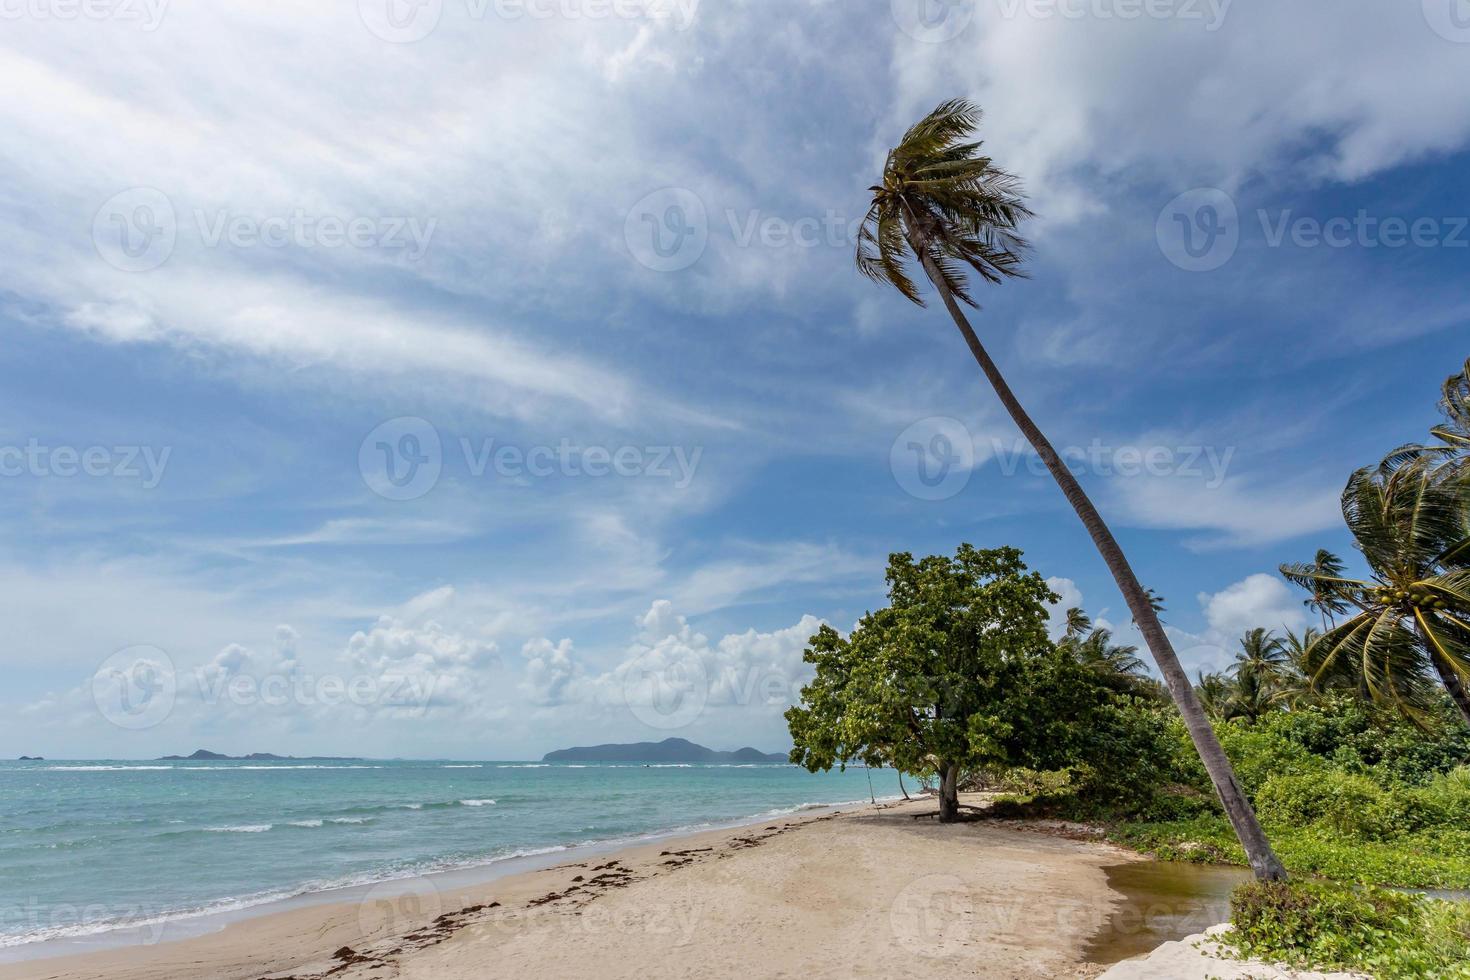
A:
[(1448, 677), (949, 796), (901, 788), (1232, 797)]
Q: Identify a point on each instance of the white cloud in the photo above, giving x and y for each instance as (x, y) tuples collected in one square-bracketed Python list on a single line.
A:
[(1240, 512), (1260, 600), (1071, 598), (668, 658), (1311, 89)]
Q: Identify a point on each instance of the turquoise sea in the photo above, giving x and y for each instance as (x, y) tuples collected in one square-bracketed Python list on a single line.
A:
[(87, 848)]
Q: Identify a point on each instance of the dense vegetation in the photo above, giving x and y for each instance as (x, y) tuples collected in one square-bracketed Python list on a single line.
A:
[(1352, 742)]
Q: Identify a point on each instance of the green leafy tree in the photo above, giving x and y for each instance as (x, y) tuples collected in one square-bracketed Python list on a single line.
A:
[(947, 205), (948, 677)]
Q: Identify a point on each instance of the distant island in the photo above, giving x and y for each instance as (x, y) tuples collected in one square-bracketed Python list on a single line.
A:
[(669, 750), (30, 758), (204, 755)]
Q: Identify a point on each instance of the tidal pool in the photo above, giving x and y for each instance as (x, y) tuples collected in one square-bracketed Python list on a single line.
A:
[(1162, 901)]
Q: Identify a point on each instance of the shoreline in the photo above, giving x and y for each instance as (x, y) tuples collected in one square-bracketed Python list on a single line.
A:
[(186, 925), (836, 892)]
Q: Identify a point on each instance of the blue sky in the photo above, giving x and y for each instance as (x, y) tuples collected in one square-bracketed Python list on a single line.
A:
[(255, 255)]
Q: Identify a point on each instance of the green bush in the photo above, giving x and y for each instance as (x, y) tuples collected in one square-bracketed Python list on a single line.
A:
[(1391, 935), (1348, 804), (1444, 802)]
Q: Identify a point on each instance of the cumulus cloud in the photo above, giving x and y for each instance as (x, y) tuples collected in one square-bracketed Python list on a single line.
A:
[(1316, 88), (1260, 600), (1071, 598), (669, 663)]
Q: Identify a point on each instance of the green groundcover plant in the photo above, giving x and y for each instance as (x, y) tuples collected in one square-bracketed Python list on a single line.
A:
[(1386, 934)]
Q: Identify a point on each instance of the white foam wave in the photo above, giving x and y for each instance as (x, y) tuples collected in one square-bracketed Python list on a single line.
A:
[(476, 802), (251, 828), (105, 768)]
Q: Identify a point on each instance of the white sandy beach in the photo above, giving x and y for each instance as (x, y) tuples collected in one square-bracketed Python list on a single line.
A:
[(868, 892)]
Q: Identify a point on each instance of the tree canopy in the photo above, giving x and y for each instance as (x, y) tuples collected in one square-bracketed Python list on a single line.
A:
[(956, 674)]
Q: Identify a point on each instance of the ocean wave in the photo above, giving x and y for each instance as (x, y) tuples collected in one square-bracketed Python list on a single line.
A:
[(476, 802), (461, 767), (249, 828), (304, 823), (104, 768)]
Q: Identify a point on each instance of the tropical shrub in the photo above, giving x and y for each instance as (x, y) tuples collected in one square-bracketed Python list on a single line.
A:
[(1390, 935)]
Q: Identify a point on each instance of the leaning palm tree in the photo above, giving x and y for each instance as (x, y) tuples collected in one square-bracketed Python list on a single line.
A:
[(1327, 605), (1450, 455), (1079, 624), (946, 205), (1414, 612)]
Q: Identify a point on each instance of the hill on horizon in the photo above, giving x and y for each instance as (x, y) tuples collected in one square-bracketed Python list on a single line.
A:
[(669, 750)]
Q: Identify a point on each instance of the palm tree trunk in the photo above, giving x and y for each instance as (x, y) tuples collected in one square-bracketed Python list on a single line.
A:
[(1232, 796), (1448, 677)]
